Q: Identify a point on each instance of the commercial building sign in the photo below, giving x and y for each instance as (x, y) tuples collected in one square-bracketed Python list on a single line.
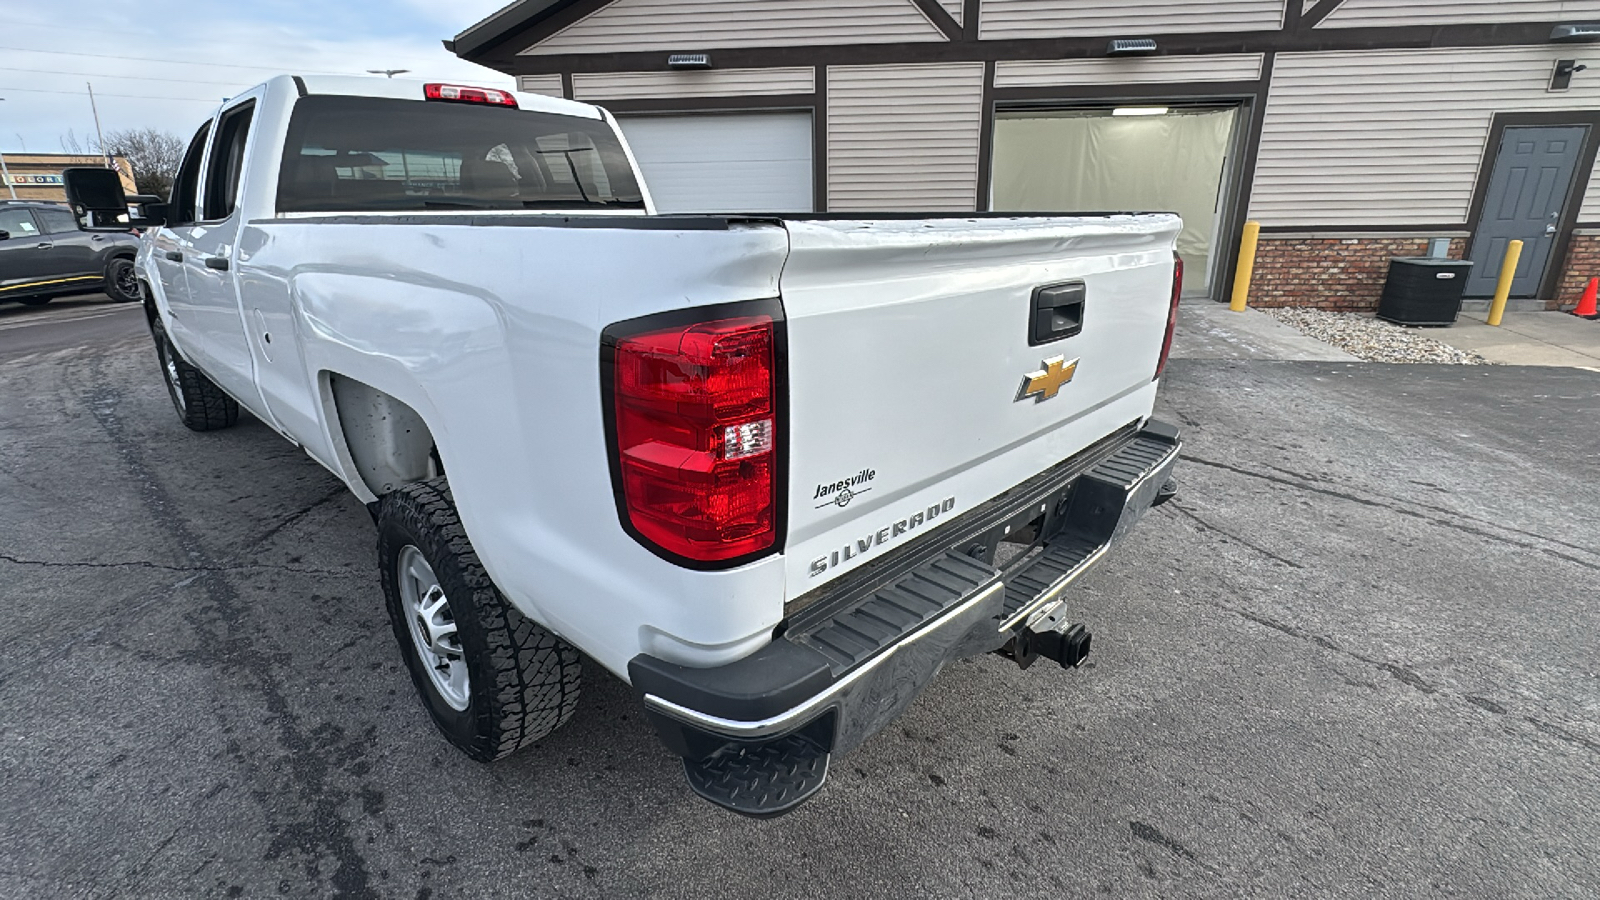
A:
[(31, 180)]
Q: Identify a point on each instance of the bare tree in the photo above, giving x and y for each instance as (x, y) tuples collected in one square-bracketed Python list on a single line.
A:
[(71, 144), (154, 154)]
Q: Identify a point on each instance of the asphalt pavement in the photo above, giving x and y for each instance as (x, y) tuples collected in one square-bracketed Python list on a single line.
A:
[(1356, 656), (64, 323)]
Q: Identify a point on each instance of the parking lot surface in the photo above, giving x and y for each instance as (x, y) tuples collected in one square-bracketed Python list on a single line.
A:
[(1355, 656)]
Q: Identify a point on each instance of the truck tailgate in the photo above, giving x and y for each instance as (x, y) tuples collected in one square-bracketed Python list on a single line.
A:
[(909, 355)]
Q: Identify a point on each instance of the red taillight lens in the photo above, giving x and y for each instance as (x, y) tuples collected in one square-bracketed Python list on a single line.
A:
[(696, 436), (460, 93), (1172, 314)]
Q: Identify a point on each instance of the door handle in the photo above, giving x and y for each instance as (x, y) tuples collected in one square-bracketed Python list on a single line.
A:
[(44, 246), (98, 238), (1549, 229), (1057, 312), (174, 256), (219, 263)]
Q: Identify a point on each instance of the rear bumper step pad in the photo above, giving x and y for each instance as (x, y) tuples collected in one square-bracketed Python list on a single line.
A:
[(756, 734)]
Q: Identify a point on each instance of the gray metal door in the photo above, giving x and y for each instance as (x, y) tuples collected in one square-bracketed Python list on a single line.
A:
[(1532, 176)]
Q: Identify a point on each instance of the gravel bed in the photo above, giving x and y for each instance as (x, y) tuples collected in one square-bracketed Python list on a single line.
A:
[(1371, 338)]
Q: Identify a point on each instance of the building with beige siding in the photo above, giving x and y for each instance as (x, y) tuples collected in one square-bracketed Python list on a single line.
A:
[(37, 176), (1352, 130)]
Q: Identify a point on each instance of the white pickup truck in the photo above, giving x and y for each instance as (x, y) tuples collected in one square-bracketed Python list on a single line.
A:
[(773, 471)]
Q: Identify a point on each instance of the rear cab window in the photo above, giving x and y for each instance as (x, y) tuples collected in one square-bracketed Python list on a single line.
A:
[(363, 154)]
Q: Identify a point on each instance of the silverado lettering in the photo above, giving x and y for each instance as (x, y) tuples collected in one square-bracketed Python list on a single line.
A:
[(888, 533)]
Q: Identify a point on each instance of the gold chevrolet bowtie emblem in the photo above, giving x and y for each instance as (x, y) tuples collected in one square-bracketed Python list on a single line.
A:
[(1047, 382)]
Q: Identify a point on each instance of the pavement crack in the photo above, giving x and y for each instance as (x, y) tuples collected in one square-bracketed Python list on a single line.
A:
[(1454, 522), (164, 567), (1153, 834), (297, 515), (1407, 676), (1561, 734), (1400, 673), (1212, 526)]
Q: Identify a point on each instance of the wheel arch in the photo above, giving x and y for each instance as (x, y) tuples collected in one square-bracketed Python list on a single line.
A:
[(381, 440)]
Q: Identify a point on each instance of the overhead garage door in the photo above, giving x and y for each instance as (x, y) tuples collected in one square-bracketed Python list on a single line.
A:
[(1142, 157), (744, 162)]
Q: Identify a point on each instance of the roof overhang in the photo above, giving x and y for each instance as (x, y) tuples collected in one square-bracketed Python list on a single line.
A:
[(509, 20)]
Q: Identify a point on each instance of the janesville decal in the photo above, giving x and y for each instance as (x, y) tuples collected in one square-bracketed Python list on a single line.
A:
[(840, 493), (863, 545)]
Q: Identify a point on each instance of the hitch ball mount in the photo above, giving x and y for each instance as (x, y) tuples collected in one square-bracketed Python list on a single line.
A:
[(1050, 634)]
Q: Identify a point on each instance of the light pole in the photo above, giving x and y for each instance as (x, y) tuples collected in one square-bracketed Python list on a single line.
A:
[(100, 136), (6, 173), (387, 72)]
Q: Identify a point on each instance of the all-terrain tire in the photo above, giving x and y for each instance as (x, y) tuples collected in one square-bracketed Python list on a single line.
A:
[(122, 282), (201, 405), (523, 680)]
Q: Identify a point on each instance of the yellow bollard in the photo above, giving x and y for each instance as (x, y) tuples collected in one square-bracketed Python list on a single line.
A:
[(1247, 265), (1502, 290)]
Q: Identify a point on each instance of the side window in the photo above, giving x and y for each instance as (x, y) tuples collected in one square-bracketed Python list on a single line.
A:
[(18, 222), (227, 162), (56, 221), (181, 209)]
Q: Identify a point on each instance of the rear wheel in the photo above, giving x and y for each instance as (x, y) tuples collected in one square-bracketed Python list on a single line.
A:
[(122, 281), (493, 680), (200, 403)]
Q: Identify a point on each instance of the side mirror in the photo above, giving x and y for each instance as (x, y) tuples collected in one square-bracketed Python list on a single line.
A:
[(96, 196)]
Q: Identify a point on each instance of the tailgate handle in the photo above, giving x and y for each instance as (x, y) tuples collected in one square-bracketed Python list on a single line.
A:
[(1057, 312)]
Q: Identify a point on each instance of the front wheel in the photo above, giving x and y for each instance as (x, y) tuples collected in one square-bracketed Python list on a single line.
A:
[(200, 403), (493, 680), (122, 281)]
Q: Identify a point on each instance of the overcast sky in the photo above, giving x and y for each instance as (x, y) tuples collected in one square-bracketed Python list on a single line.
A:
[(167, 64)]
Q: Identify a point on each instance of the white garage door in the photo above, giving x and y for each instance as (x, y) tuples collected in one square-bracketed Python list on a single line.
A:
[(744, 162)]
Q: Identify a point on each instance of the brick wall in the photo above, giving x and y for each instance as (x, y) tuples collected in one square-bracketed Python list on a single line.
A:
[(1342, 273), (1582, 263)]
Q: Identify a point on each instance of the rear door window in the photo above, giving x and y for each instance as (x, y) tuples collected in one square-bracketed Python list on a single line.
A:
[(360, 154), (19, 222), (57, 221), (227, 162)]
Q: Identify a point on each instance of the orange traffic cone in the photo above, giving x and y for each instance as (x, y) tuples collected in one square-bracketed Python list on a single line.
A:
[(1586, 306)]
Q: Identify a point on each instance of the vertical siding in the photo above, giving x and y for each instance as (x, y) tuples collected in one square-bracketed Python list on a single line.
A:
[(706, 83), (1137, 70), (904, 137), (1395, 136), (632, 25), (1000, 19), (549, 85), (1364, 13)]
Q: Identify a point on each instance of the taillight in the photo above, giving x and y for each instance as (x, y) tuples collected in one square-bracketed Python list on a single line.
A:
[(1172, 313), (460, 93), (695, 435)]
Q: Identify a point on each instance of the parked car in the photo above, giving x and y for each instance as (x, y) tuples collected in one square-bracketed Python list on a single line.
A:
[(774, 472), (43, 255)]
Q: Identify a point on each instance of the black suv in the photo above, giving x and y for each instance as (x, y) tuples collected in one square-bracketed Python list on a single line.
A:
[(44, 255)]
